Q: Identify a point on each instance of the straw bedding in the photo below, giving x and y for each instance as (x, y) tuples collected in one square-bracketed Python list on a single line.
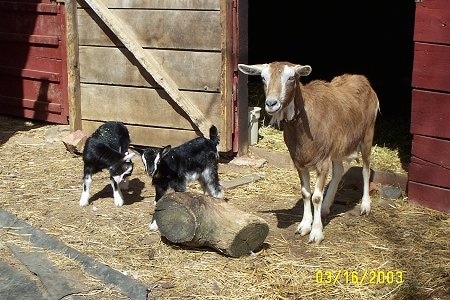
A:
[(41, 183)]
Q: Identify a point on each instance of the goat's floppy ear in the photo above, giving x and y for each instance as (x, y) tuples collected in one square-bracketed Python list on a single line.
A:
[(129, 156), (251, 69), (303, 70), (165, 150)]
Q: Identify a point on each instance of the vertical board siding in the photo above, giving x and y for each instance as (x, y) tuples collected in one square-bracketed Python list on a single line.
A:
[(429, 171), (33, 60)]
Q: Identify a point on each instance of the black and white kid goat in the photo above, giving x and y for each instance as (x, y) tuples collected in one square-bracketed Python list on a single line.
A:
[(107, 148), (174, 168)]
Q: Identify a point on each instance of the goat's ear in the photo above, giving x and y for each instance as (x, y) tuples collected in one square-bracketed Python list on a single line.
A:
[(303, 70), (129, 156), (251, 69), (165, 150)]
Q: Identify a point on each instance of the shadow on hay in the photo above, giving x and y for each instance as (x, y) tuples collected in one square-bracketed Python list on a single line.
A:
[(346, 200), (131, 195), (9, 126)]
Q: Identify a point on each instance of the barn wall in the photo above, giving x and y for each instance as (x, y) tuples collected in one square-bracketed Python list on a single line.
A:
[(187, 40), (429, 171)]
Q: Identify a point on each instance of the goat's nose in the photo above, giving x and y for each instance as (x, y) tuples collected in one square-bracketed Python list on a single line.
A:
[(271, 102)]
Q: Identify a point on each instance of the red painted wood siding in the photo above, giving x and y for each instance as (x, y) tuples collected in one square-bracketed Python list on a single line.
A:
[(429, 171), (33, 70)]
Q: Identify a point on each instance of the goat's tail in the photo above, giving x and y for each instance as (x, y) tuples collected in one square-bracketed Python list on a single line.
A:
[(214, 134)]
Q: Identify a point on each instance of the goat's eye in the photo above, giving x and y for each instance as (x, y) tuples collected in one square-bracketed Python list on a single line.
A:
[(292, 78)]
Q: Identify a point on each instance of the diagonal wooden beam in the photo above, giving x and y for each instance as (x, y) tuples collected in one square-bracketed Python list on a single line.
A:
[(150, 64)]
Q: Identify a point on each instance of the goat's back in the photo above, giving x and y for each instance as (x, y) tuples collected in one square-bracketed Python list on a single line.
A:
[(335, 118)]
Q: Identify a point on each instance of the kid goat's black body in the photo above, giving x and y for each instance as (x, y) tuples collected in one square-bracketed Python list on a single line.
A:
[(107, 148), (174, 168)]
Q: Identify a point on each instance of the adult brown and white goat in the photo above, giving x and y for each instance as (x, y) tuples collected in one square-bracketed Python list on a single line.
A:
[(324, 123)]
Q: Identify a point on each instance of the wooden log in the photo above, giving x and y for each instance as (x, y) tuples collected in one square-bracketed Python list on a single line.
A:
[(197, 220)]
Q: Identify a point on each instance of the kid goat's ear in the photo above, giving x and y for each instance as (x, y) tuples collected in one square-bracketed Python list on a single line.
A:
[(129, 156), (165, 150)]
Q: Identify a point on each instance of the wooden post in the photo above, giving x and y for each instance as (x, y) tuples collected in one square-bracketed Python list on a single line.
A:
[(197, 220), (73, 76)]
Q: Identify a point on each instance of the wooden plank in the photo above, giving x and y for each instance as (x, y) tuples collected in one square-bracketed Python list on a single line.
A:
[(231, 184), (430, 113), (162, 4), (30, 74), (73, 70), (29, 7), (433, 150), (149, 136), (156, 29), (143, 106), (16, 86), (33, 63), (432, 21), (32, 23), (31, 104), (429, 196), (30, 38), (428, 173), (431, 68), (15, 50), (150, 64), (229, 54), (204, 74)]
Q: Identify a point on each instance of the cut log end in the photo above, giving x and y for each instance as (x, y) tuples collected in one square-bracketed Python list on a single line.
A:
[(175, 221), (248, 239)]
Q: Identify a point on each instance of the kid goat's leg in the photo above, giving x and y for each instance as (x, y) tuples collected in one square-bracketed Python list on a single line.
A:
[(117, 193), (84, 199)]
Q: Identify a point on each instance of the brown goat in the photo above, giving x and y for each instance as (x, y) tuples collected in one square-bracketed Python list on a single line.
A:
[(324, 123)]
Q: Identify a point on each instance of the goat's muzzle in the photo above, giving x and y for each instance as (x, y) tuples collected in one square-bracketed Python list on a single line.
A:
[(272, 106)]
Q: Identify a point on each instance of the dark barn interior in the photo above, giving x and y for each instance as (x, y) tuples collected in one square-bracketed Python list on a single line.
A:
[(373, 38)]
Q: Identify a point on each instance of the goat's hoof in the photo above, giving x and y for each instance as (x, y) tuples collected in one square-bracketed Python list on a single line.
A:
[(84, 202), (118, 202), (303, 231), (316, 238), (365, 210), (153, 226)]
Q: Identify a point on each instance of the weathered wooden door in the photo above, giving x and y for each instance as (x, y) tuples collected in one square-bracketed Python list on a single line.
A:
[(164, 68), (33, 70)]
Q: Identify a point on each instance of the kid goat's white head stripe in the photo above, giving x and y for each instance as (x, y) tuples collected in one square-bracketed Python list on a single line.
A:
[(156, 162)]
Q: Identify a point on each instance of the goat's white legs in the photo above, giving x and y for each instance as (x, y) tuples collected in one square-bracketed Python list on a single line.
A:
[(365, 202), (316, 234), (338, 172), (365, 153), (305, 225), (84, 199), (117, 193)]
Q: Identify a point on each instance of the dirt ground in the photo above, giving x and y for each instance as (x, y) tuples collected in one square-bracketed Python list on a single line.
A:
[(399, 251)]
